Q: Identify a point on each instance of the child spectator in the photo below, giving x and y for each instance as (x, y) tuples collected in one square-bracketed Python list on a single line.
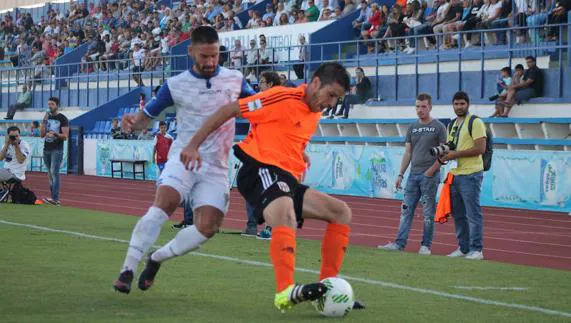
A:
[(518, 74), (162, 144), (502, 85)]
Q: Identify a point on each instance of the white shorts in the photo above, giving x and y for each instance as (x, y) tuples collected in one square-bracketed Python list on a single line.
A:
[(209, 186)]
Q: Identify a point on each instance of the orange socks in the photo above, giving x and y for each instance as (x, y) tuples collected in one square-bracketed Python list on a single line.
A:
[(333, 249), (282, 252), (283, 247)]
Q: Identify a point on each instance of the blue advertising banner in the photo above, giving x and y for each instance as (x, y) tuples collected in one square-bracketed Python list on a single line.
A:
[(538, 180), (36, 151)]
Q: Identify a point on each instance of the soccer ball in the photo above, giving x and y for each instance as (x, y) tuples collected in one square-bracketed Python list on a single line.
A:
[(338, 301)]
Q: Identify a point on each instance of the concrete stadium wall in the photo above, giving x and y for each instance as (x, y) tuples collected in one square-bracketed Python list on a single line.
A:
[(526, 110)]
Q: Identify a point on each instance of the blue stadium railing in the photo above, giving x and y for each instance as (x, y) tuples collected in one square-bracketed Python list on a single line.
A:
[(93, 89)]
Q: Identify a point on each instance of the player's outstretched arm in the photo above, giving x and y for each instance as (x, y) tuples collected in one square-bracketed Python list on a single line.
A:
[(190, 156), (141, 119)]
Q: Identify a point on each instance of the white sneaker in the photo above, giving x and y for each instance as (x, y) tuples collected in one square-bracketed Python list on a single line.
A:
[(390, 246), (475, 255), (424, 251), (457, 254)]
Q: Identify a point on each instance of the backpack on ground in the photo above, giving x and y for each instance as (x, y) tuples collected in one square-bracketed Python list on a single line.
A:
[(22, 195), (488, 154)]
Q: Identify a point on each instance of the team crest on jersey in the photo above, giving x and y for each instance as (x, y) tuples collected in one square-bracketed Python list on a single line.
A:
[(254, 105), (283, 186)]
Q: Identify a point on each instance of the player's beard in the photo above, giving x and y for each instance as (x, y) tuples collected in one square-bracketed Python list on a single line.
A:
[(206, 71)]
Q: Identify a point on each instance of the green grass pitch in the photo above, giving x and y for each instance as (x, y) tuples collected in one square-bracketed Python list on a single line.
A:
[(52, 276)]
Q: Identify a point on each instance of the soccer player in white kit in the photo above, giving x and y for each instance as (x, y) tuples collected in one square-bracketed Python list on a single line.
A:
[(197, 94)]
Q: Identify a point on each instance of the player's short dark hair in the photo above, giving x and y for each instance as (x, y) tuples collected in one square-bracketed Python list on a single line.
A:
[(507, 70), (461, 95), (424, 97), (36, 123), (530, 57), (329, 73), (54, 100), (162, 123), (204, 35), (272, 77), (12, 128), (519, 67)]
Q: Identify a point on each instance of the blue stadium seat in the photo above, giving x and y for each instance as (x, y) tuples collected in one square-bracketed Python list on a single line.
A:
[(107, 128), (96, 127), (101, 127)]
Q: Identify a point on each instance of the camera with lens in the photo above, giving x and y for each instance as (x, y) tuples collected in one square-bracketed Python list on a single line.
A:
[(441, 149), (12, 138)]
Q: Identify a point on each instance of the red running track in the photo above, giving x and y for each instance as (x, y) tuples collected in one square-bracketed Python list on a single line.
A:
[(516, 236)]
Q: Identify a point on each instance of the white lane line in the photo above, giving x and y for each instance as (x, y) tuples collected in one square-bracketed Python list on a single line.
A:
[(529, 308), (491, 288)]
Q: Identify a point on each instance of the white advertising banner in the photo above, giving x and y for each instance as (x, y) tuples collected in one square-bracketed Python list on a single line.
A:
[(279, 36)]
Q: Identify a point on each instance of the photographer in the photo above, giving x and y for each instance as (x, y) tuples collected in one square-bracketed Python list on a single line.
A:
[(424, 176), (467, 168), (55, 130), (14, 153)]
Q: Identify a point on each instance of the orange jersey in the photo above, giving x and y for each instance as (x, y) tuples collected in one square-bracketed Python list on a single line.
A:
[(281, 126)]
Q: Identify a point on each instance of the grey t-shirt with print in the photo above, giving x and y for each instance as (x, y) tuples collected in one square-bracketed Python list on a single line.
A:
[(422, 137)]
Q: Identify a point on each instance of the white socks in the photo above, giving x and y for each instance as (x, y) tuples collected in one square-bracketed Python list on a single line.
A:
[(186, 240), (145, 233)]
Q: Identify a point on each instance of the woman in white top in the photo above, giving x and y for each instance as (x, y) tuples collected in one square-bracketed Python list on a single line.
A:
[(494, 12), (138, 57), (473, 24)]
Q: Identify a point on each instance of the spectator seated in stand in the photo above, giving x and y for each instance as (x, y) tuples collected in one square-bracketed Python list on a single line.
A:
[(559, 15), (502, 84), (531, 86), (116, 132), (24, 101), (361, 91)]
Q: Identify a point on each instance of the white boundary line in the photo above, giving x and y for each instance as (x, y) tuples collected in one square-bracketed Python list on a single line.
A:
[(529, 308)]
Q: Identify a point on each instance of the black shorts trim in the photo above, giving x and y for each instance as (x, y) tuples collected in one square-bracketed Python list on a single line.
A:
[(260, 184)]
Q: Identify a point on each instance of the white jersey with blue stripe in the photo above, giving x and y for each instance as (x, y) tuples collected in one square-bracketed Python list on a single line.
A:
[(196, 98)]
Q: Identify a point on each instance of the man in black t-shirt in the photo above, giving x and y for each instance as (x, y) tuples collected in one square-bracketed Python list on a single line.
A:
[(360, 93), (531, 86), (55, 130)]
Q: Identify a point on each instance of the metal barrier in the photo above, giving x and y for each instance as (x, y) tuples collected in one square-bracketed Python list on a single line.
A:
[(101, 86)]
